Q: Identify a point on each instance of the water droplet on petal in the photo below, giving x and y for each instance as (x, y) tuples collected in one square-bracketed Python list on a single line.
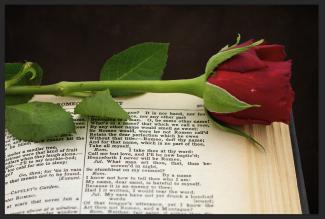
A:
[(253, 90)]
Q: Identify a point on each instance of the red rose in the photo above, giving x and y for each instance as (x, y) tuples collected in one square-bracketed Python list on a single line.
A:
[(257, 76)]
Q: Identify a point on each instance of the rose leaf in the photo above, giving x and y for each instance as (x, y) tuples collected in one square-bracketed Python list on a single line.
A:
[(101, 105), (145, 61), (36, 121)]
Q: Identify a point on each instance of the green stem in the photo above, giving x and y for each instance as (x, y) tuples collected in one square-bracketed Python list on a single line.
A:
[(80, 94), (192, 86)]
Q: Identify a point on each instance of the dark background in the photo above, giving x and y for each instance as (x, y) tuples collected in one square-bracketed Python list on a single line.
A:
[(71, 43)]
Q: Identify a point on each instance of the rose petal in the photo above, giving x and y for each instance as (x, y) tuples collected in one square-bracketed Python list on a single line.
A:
[(243, 62), (273, 52)]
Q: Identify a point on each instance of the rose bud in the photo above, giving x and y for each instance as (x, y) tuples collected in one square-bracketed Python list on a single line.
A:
[(257, 76)]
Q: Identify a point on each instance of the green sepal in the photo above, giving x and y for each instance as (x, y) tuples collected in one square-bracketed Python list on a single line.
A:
[(144, 61), (224, 48), (224, 54), (237, 39), (102, 105), (228, 47), (36, 121), (217, 99), (227, 128)]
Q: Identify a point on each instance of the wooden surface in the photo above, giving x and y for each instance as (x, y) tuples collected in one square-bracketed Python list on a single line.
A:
[(272, 175)]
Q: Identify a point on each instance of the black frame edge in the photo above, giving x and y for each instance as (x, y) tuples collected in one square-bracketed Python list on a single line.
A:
[(298, 167)]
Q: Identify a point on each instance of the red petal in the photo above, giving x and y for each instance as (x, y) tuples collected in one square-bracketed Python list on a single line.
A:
[(243, 62), (273, 52)]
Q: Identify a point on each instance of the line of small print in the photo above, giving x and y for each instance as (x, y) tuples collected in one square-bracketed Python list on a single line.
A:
[(153, 109)]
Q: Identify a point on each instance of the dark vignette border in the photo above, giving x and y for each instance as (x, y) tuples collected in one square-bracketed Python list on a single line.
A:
[(179, 2)]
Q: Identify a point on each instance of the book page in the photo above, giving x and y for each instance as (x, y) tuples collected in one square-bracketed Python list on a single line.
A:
[(168, 159)]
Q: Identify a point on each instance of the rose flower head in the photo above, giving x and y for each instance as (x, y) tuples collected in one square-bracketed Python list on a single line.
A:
[(259, 76)]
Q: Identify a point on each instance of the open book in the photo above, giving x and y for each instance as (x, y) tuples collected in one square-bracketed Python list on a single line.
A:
[(168, 159)]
